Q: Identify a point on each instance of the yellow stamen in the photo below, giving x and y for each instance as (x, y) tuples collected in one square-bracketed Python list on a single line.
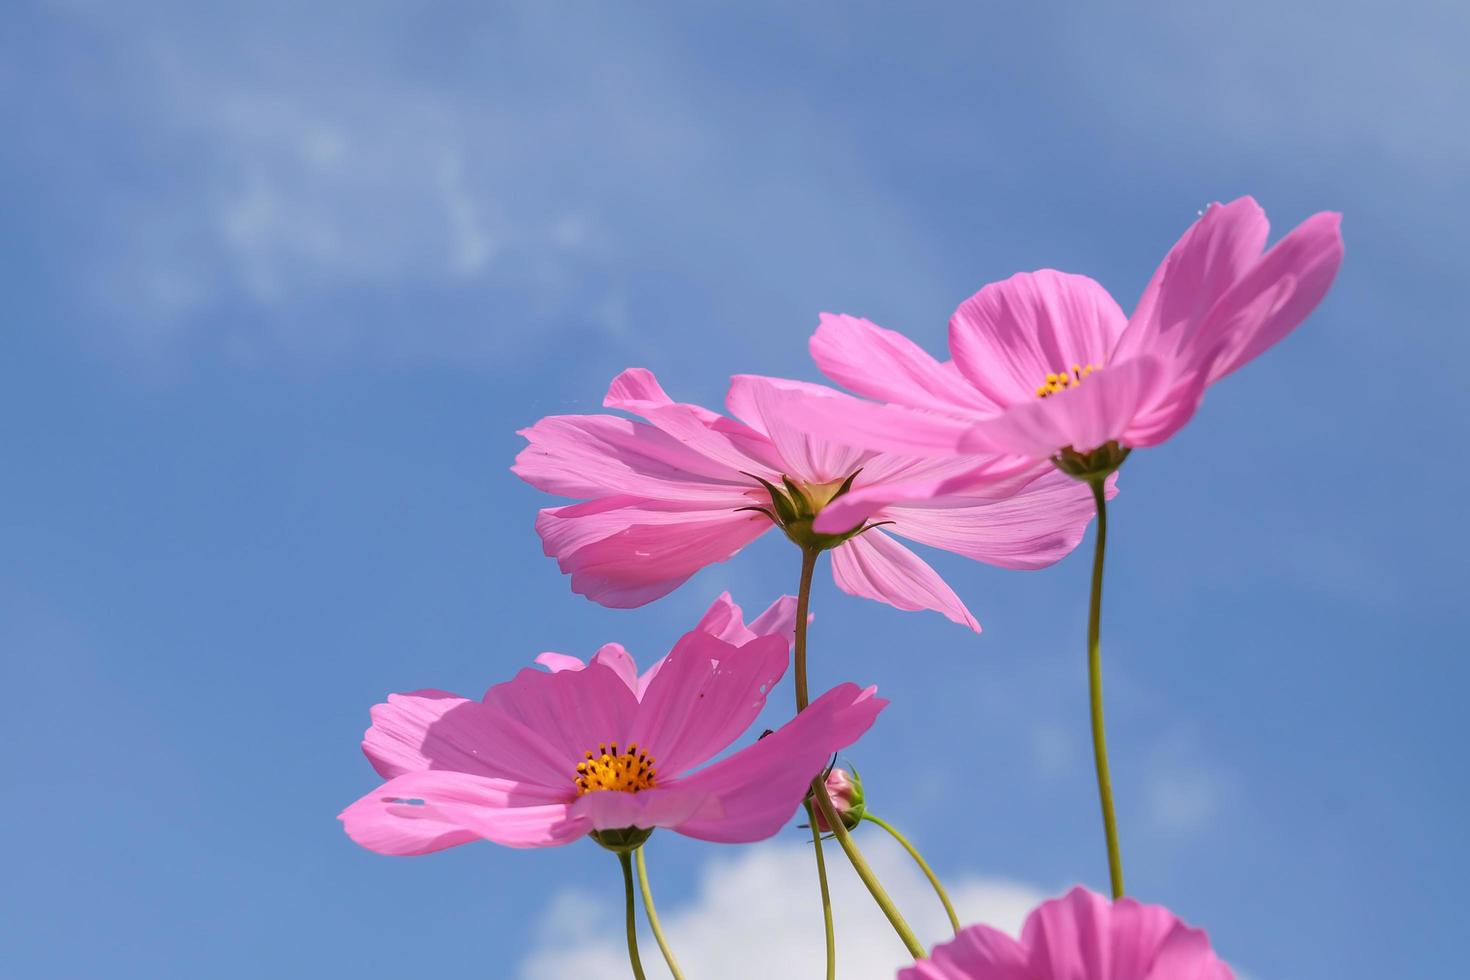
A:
[(609, 769), (1063, 380)]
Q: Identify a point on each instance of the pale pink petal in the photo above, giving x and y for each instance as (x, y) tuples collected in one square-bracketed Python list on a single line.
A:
[(575, 711), (725, 620), (886, 366), (959, 475), (657, 807), (977, 953), (734, 445), (435, 730), (909, 432), (554, 661), (705, 695), (874, 566), (777, 406), (1202, 266), (597, 455), (1186, 955), (624, 553), (1099, 410), (1276, 294), (1039, 525), (1010, 335), (614, 657), (420, 812), (760, 787)]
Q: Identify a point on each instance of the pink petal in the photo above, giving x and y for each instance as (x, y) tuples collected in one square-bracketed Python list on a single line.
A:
[(657, 807), (874, 566), (1039, 525), (760, 787), (434, 730), (725, 620), (977, 953), (734, 445), (887, 366), (1276, 295), (910, 432), (1186, 955), (1010, 335), (955, 475), (456, 808), (1202, 266), (625, 553), (1101, 409), (704, 696), (554, 662), (776, 407), (596, 455), (617, 659), (575, 711)]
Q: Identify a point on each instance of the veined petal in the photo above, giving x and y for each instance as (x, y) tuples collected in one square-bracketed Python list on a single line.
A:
[(1084, 418), (777, 407), (575, 711), (1276, 295), (886, 366), (420, 812), (704, 696), (760, 787), (731, 443), (623, 552), (959, 475), (977, 953), (1036, 527), (1010, 335), (436, 730), (725, 620), (910, 432), (656, 807), (1206, 261), (597, 455), (874, 566)]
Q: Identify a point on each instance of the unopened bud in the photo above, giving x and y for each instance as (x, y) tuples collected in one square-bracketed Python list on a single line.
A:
[(845, 790)]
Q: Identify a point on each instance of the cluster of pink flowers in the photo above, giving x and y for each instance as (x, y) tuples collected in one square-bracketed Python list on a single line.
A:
[(1002, 454)]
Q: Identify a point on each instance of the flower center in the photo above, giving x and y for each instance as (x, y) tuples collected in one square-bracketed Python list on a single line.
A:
[(607, 768), (1063, 380)]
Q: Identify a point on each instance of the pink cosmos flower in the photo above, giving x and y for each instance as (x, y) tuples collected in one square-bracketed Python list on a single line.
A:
[(688, 487), (1046, 362), (1081, 936), (549, 757)]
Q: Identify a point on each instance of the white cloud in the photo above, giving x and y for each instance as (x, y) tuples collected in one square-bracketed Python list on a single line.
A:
[(756, 914)]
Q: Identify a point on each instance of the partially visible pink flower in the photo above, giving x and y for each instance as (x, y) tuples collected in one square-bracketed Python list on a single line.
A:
[(549, 757), (688, 487), (1081, 936), (1046, 361)]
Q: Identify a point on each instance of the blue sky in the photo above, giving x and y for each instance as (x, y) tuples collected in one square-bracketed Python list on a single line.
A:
[(282, 283)]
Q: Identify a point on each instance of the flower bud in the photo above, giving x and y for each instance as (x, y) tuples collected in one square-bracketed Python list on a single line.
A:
[(845, 790)]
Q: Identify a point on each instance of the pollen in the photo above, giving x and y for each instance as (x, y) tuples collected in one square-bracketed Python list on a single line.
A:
[(1062, 380), (609, 769)]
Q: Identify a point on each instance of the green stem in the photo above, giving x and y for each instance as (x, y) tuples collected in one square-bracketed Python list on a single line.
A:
[(627, 864), (875, 888), (1094, 674), (954, 920), (658, 932), (819, 786), (803, 606), (811, 820)]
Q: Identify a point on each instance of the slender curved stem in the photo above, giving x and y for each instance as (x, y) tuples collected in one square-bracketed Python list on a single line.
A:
[(1094, 674), (819, 788), (954, 920), (632, 916), (860, 865), (803, 606), (648, 907), (811, 819)]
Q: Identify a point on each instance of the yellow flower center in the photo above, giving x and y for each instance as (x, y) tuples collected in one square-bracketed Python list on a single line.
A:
[(607, 768), (1063, 380)]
